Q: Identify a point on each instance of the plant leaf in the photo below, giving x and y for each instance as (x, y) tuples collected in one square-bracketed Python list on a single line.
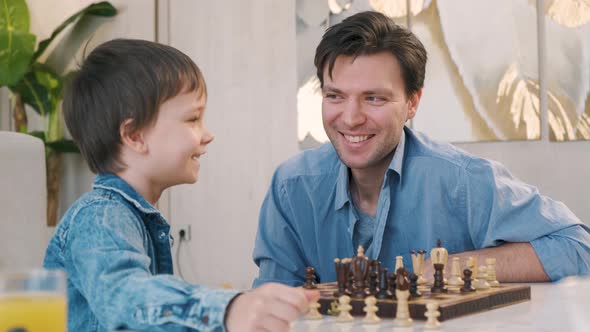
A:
[(41, 89), (63, 145), (39, 134), (14, 16), (96, 9), (16, 51)]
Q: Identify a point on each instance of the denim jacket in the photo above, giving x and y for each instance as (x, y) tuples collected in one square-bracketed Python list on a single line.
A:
[(115, 249)]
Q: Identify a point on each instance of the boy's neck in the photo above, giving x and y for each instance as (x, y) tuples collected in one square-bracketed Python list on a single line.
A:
[(148, 190)]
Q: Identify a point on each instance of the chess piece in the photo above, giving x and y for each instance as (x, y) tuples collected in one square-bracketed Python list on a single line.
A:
[(399, 262), (310, 278), (455, 281), (313, 312), (439, 255), (471, 264), (482, 283), (491, 272), (360, 270), (402, 293), (418, 265), (467, 282), (383, 292), (371, 310), (414, 292), (373, 276), (342, 271), (391, 283), (439, 284), (344, 307), (432, 315)]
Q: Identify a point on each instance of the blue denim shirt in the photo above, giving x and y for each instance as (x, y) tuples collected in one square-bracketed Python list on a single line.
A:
[(115, 249), (430, 191)]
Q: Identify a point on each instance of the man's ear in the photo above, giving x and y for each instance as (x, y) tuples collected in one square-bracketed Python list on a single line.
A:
[(131, 137), (413, 103)]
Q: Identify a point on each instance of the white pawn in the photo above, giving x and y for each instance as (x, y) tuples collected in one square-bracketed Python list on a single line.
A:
[(402, 315), (455, 281), (399, 263), (491, 270), (432, 315), (313, 312), (371, 310), (481, 282), (344, 308)]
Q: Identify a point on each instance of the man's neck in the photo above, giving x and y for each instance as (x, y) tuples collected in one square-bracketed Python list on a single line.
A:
[(365, 186)]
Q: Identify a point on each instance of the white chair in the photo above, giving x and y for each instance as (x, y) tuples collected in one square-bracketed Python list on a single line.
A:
[(23, 201)]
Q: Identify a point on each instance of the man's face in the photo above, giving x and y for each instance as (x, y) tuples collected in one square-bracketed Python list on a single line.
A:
[(365, 107)]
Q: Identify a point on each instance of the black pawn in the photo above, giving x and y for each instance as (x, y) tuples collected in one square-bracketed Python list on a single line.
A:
[(467, 282), (310, 278), (383, 292), (414, 292), (391, 278), (373, 275), (439, 283)]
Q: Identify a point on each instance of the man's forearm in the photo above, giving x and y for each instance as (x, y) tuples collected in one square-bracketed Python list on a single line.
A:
[(515, 262)]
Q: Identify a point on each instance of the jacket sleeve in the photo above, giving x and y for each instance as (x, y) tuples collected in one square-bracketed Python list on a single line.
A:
[(500, 208), (106, 249), (277, 250)]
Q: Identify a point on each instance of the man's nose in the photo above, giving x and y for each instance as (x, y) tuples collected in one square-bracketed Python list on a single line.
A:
[(353, 114)]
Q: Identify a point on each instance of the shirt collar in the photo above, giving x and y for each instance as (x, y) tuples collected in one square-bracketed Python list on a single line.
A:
[(342, 196), (114, 183)]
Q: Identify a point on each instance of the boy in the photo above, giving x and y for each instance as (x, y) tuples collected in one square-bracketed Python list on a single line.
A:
[(136, 112)]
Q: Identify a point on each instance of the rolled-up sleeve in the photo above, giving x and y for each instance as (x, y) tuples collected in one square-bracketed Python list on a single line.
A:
[(112, 273), (501, 208)]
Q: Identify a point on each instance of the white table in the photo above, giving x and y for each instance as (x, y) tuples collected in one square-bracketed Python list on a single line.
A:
[(562, 307)]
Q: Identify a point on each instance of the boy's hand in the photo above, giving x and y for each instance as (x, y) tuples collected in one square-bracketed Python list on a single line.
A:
[(270, 307)]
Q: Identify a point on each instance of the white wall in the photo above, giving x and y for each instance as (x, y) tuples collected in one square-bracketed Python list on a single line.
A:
[(246, 50)]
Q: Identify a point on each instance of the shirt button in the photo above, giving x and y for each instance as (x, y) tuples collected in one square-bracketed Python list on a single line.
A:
[(205, 319), (162, 235), (167, 313)]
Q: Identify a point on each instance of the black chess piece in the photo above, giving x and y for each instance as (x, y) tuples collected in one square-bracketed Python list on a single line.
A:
[(373, 279), (383, 292), (342, 270), (414, 292), (392, 284), (310, 278), (360, 269), (350, 281), (467, 282), (439, 283)]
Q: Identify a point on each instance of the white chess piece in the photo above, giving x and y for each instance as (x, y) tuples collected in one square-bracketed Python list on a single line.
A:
[(418, 266), (432, 315), (399, 263), (481, 282), (471, 264), (402, 314), (455, 282), (371, 310), (344, 308), (491, 271), (313, 312)]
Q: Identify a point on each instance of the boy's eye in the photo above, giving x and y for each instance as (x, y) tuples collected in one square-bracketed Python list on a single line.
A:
[(194, 119)]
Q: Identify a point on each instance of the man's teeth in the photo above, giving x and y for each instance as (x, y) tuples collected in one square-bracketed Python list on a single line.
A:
[(356, 139)]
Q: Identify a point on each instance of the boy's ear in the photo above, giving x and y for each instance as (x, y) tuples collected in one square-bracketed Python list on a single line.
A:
[(131, 137)]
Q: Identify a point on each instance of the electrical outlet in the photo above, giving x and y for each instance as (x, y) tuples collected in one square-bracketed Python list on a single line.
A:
[(187, 232)]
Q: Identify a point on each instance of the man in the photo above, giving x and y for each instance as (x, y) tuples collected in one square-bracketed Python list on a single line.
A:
[(390, 189)]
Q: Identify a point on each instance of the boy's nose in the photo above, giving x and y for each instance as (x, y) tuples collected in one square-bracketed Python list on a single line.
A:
[(207, 137)]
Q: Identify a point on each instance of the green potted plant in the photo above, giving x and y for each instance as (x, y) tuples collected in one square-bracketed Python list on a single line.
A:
[(35, 84)]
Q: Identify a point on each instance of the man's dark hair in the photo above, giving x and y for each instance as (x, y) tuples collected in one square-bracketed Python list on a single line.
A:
[(368, 33), (119, 80)]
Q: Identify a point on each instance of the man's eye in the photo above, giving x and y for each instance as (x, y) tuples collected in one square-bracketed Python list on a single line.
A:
[(375, 99), (331, 96)]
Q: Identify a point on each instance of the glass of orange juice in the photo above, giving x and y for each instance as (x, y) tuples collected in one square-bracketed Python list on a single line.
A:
[(33, 301)]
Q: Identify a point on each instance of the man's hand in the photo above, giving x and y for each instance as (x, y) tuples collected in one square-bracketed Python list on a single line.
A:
[(270, 307)]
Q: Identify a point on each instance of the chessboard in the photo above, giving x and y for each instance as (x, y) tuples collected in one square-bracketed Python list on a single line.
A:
[(451, 304)]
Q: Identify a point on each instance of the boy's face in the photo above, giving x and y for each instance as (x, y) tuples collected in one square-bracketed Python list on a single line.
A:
[(177, 140)]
